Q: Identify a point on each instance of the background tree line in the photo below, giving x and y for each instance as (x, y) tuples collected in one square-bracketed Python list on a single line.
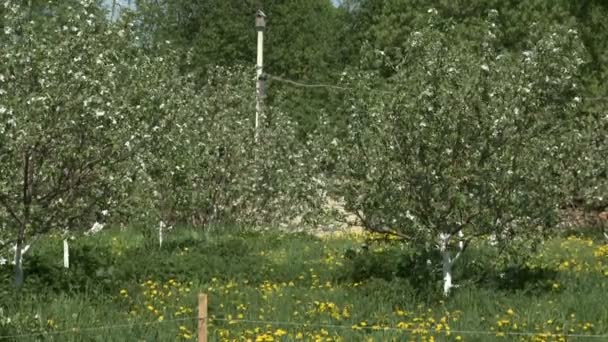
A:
[(313, 40)]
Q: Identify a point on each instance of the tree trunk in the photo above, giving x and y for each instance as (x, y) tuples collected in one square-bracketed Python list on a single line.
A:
[(19, 256), (446, 263), (66, 254), (161, 228), (27, 201)]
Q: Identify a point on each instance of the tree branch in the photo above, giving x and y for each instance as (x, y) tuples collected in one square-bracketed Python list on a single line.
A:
[(4, 244), (10, 210), (464, 247), (380, 229)]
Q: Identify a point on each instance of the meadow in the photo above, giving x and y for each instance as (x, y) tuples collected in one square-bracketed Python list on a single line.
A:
[(272, 286)]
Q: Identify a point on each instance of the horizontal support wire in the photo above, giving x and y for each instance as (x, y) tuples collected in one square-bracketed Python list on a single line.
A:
[(307, 85), (451, 331), (322, 85), (77, 330), (298, 324), (341, 88)]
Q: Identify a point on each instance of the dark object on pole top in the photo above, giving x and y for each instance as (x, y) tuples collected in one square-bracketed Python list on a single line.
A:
[(260, 20)]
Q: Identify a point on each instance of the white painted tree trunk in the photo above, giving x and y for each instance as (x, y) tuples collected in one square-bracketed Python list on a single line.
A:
[(20, 251), (461, 241), (446, 263), (161, 228), (18, 270), (24, 249), (66, 254)]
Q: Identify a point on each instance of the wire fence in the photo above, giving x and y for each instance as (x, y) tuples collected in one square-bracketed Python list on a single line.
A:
[(77, 330), (405, 331)]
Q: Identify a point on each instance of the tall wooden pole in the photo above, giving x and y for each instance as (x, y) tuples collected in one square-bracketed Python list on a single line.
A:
[(113, 10), (260, 26)]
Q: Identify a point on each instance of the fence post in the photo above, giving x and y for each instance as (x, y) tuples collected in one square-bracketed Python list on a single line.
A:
[(202, 317)]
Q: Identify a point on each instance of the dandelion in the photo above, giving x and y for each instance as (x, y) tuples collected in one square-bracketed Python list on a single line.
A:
[(264, 338), (280, 332)]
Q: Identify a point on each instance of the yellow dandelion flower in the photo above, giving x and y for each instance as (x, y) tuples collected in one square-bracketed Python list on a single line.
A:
[(280, 332)]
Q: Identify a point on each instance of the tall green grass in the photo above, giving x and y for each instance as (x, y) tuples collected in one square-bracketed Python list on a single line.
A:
[(121, 286)]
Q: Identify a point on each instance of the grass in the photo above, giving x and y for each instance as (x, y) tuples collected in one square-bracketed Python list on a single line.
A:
[(268, 286)]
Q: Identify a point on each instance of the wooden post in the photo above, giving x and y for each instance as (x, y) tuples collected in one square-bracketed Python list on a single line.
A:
[(202, 317)]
